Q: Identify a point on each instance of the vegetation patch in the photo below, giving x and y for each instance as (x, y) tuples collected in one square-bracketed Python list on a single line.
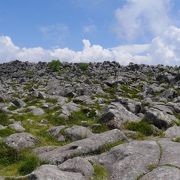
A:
[(100, 172), (142, 127), (29, 163), (83, 66), (6, 132), (4, 120), (55, 65), (14, 163)]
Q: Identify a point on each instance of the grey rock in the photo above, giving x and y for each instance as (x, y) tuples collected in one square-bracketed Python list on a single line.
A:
[(160, 119), (83, 99), (116, 114), (77, 132), (51, 172), (172, 132), (129, 161), (37, 111), (170, 153), (2, 127), (17, 126), (163, 173), (55, 132), (78, 164), (82, 147), (19, 103), (68, 108), (20, 141)]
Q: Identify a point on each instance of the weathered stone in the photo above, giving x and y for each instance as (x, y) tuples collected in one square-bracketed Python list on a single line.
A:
[(170, 153), (160, 119), (68, 108), (163, 173), (77, 132), (173, 132), (37, 111), (82, 147), (55, 132), (20, 141), (17, 126), (78, 164), (51, 172), (116, 114), (19, 103), (129, 161)]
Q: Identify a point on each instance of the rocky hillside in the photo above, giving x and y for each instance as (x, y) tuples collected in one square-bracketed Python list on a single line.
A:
[(97, 121)]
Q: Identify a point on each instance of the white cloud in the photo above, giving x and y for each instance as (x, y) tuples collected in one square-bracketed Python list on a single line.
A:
[(164, 49), (89, 28), (138, 17)]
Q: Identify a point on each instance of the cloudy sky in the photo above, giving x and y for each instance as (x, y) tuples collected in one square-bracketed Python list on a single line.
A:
[(140, 31)]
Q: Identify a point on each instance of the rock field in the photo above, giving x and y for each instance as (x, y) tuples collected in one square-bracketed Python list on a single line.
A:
[(89, 121)]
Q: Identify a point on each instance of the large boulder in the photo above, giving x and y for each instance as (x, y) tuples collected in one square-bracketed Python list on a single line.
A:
[(85, 146), (51, 172), (116, 114), (77, 132), (163, 173), (78, 164), (129, 161), (170, 153), (21, 141), (173, 132), (160, 119)]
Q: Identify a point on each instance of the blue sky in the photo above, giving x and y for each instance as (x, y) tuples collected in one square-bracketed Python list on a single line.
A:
[(24, 20), (121, 30)]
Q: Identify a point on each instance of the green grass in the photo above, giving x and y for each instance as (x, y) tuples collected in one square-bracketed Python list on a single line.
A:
[(130, 93), (100, 172), (6, 132), (83, 66), (12, 108), (8, 155), (177, 139), (4, 120), (14, 163), (55, 65), (142, 127), (107, 147), (29, 163)]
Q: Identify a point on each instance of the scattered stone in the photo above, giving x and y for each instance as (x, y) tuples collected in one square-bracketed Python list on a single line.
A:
[(173, 132), (51, 172), (77, 132), (78, 164), (21, 141)]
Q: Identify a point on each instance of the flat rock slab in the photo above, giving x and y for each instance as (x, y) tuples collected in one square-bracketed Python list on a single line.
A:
[(129, 161), (82, 147), (163, 173), (21, 141), (51, 172), (170, 153)]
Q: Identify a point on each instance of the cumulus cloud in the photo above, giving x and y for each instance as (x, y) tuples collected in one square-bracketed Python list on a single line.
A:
[(164, 49), (139, 17)]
